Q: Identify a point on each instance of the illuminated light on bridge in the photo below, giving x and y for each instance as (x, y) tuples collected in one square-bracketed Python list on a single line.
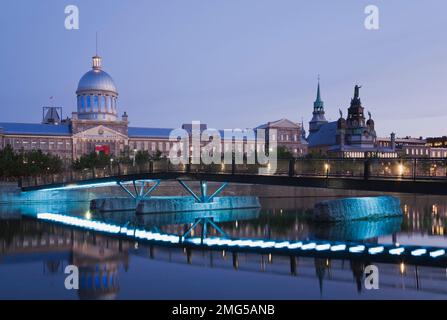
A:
[(323, 247), (282, 245), (437, 253), (308, 246), (418, 252), (268, 244), (257, 243), (295, 245), (93, 225), (338, 247), (396, 251), (376, 250), (357, 249), (81, 186)]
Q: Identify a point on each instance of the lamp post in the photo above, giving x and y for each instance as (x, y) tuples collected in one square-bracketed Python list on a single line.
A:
[(134, 156)]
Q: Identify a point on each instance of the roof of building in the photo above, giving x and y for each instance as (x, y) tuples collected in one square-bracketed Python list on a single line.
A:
[(360, 149), (325, 136), (140, 132), (97, 80), (35, 129), (279, 123)]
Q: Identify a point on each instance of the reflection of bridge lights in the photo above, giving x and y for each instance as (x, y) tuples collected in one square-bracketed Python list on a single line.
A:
[(376, 250), (402, 268), (400, 169), (339, 247), (437, 253), (434, 209), (418, 252), (357, 249), (396, 251)]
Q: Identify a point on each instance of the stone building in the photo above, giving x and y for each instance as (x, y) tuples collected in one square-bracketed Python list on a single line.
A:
[(96, 126), (289, 135), (350, 137)]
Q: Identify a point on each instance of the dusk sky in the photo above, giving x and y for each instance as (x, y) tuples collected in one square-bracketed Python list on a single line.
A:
[(231, 63)]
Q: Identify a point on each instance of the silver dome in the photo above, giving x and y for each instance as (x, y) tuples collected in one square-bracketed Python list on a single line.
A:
[(97, 80)]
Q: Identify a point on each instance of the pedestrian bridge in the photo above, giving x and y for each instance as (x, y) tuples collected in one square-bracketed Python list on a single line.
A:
[(424, 176)]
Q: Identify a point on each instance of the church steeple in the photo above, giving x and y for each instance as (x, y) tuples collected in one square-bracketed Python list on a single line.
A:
[(318, 118), (318, 104)]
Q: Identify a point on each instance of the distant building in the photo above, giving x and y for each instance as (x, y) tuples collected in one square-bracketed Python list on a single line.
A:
[(289, 135), (353, 137), (96, 127)]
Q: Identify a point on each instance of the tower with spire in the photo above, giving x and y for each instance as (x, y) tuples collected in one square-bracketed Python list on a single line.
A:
[(318, 118)]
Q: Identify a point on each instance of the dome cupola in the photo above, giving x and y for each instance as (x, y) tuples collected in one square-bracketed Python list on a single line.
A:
[(97, 94)]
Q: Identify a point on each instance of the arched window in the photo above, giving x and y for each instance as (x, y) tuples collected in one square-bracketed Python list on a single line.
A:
[(89, 103)]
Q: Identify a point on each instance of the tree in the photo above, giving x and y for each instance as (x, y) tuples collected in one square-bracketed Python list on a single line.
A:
[(9, 166), (142, 157), (92, 160), (157, 155), (283, 153)]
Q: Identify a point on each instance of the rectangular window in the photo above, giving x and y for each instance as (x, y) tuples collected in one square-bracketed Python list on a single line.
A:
[(104, 103), (96, 103)]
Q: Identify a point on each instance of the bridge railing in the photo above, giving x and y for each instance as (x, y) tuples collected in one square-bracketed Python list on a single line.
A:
[(415, 169)]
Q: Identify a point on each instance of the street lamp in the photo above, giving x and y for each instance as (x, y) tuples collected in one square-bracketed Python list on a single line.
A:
[(326, 168), (134, 156)]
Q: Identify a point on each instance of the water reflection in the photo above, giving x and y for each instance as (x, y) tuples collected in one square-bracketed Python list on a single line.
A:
[(356, 230), (105, 260)]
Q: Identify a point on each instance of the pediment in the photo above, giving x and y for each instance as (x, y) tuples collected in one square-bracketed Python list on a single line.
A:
[(284, 123), (100, 132)]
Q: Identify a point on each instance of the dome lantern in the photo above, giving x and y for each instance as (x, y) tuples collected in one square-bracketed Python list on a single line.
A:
[(97, 94)]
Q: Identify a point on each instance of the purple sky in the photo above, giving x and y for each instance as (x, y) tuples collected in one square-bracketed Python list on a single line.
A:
[(231, 63)]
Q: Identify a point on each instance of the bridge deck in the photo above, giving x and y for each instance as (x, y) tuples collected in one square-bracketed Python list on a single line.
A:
[(354, 174)]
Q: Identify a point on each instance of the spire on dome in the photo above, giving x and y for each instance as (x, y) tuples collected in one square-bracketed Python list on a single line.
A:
[(96, 59), (318, 104)]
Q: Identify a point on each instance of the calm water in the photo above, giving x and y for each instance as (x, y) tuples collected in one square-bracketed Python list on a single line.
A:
[(34, 253)]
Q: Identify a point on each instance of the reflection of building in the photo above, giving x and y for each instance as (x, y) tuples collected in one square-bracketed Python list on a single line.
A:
[(353, 137), (98, 258), (98, 271)]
